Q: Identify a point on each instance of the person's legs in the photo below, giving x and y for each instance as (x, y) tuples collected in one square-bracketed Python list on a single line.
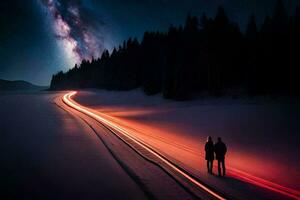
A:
[(207, 163), (211, 166), (223, 166), (219, 167)]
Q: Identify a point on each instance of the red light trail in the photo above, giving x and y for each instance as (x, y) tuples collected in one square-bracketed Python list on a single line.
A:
[(235, 173)]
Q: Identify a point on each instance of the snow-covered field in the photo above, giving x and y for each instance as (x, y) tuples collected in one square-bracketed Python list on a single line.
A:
[(46, 153), (262, 134)]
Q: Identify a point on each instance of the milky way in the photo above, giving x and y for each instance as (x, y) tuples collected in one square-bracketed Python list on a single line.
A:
[(76, 27)]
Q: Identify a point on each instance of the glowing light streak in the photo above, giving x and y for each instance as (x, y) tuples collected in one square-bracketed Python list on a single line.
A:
[(264, 183), (67, 98), (68, 101)]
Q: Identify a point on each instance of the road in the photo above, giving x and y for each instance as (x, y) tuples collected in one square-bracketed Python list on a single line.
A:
[(54, 148), (48, 153), (240, 185)]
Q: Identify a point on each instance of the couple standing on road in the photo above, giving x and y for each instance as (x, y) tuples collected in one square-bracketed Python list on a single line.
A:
[(220, 150)]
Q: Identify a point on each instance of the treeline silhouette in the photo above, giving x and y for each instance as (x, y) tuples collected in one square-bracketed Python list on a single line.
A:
[(207, 55)]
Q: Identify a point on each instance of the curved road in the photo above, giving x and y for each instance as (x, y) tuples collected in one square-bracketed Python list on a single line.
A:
[(247, 186)]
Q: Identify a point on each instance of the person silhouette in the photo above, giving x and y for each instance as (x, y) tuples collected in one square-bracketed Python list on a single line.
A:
[(220, 150), (209, 154)]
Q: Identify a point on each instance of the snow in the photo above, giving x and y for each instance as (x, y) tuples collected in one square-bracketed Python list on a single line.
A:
[(46, 153), (262, 134)]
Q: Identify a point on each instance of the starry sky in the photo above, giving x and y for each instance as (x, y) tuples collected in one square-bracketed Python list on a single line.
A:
[(40, 37)]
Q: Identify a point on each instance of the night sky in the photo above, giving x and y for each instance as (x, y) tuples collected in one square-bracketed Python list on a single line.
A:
[(40, 37)]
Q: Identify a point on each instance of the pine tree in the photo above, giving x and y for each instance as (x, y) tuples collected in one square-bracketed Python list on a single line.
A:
[(280, 17), (251, 31)]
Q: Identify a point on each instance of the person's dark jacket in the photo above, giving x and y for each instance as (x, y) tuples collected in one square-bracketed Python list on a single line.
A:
[(209, 151), (220, 150)]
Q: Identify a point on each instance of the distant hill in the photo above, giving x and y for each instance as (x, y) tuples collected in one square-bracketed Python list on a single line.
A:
[(6, 85)]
